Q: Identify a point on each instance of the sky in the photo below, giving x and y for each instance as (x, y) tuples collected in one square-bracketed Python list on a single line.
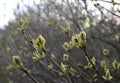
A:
[(7, 8)]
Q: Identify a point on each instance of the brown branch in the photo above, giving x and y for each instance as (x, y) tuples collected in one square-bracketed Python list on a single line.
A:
[(46, 52), (68, 80), (86, 54), (29, 75), (110, 2), (109, 11)]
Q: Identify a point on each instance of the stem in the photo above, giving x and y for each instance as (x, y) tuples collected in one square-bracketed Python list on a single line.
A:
[(68, 80), (109, 11), (30, 76), (86, 54), (110, 2), (26, 37), (24, 70)]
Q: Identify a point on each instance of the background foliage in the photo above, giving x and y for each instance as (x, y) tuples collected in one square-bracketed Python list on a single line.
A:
[(46, 18)]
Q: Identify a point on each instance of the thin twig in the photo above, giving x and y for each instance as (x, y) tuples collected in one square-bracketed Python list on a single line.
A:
[(30, 76), (68, 80), (46, 52), (84, 49), (110, 2), (109, 11)]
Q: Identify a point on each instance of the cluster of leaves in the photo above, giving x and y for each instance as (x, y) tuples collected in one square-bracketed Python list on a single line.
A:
[(64, 69)]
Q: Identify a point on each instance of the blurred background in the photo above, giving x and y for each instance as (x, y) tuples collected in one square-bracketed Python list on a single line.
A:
[(100, 19)]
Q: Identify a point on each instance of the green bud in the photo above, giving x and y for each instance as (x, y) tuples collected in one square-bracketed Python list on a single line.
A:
[(75, 39), (61, 74), (115, 65), (93, 60), (50, 66), (68, 29), (36, 56), (42, 56), (72, 71), (79, 40), (90, 66), (21, 21), (64, 30), (41, 42), (52, 56), (68, 46), (63, 68), (35, 59), (34, 44), (116, 38), (17, 61), (107, 75), (83, 39), (103, 64), (65, 57), (106, 52), (10, 68)]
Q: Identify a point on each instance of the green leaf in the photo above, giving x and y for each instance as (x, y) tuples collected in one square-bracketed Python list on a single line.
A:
[(63, 68)]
